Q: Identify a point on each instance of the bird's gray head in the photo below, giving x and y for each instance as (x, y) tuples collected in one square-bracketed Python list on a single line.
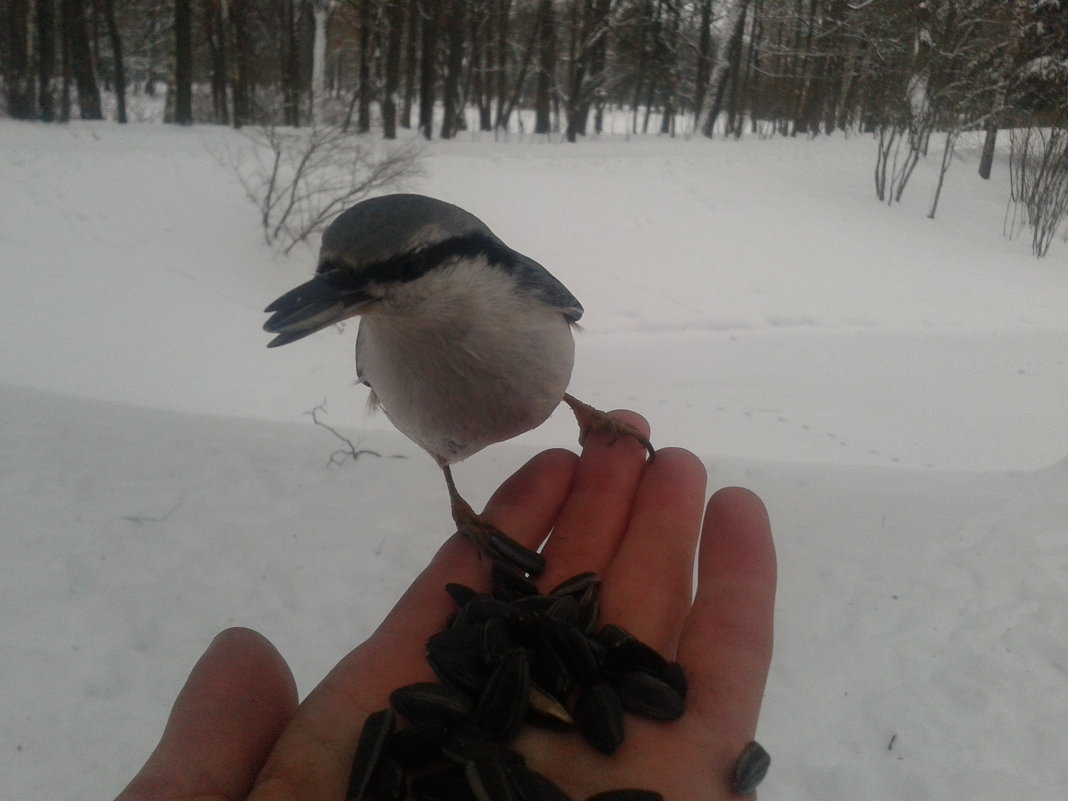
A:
[(383, 244), (383, 228)]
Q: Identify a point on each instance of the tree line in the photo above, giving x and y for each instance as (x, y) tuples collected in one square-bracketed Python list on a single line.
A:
[(717, 67)]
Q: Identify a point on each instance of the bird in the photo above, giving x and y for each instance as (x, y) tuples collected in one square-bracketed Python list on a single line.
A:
[(463, 342)]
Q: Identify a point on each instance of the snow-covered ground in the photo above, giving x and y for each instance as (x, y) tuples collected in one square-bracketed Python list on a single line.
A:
[(894, 387)]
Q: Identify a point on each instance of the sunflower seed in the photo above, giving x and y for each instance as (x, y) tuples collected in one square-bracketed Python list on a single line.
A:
[(417, 744), (509, 584), (461, 594), (503, 703), (504, 549), (463, 670), (576, 585), (449, 784), (376, 730), (471, 745), (750, 769), (494, 641), (675, 676), (548, 708), (648, 696), (599, 717), (489, 781), (388, 782), (429, 700), (533, 786)]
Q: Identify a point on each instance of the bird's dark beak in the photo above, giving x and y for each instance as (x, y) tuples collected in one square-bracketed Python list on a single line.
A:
[(311, 307)]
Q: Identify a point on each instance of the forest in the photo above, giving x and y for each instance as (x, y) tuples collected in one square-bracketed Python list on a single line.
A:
[(897, 69)]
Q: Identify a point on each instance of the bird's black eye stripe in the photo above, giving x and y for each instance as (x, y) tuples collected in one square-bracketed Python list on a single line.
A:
[(417, 263)]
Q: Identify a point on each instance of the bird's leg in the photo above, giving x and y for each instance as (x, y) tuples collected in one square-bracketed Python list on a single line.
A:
[(487, 538), (591, 419)]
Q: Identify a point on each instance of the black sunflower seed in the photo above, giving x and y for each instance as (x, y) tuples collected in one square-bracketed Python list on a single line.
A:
[(509, 584), (494, 641), (461, 594), (471, 745), (599, 716), (429, 700), (533, 786), (675, 676), (547, 708), (489, 781), (449, 784), (648, 696), (503, 703), (507, 550), (576, 585), (463, 670), (376, 730), (417, 744), (750, 769), (388, 782)]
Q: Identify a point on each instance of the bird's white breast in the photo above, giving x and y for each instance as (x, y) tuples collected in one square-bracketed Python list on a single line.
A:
[(459, 359)]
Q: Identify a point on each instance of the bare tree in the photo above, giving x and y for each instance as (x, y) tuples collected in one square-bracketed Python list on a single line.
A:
[(299, 178), (394, 20), (183, 62), (728, 51), (18, 76), (46, 59), (80, 58), (116, 53), (546, 63)]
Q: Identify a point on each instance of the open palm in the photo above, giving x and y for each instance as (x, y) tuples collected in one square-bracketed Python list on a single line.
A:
[(237, 732)]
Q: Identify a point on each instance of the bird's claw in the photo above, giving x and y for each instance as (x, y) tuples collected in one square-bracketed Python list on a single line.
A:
[(497, 546), (593, 419)]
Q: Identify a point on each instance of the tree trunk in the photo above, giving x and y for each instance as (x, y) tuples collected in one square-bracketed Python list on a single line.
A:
[(704, 52), (321, 10), (76, 36), (1019, 19), (46, 59), (116, 53), (546, 61), (18, 77), (363, 116), (428, 72), (454, 27), (213, 17), (500, 67), (183, 62), (395, 22), (241, 41), (411, 60), (291, 63), (728, 52)]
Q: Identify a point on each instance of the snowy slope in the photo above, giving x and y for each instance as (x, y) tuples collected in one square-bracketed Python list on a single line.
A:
[(892, 386)]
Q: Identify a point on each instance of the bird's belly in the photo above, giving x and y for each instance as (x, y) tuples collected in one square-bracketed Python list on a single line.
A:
[(454, 392)]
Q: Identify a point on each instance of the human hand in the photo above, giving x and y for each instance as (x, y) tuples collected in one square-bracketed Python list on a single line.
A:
[(236, 731)]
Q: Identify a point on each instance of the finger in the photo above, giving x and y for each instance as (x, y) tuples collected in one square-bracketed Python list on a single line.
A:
[(727, 640), (647, 588), (524, 507), (224, 723), (314, 755), (592, 522)]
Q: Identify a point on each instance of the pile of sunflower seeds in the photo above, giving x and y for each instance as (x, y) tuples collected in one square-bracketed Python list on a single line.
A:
[(510, 658)]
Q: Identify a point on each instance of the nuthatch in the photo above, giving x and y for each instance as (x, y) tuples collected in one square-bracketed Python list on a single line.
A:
[(463, 342)]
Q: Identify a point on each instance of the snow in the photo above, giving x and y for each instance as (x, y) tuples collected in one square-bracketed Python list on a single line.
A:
[(892, 386)]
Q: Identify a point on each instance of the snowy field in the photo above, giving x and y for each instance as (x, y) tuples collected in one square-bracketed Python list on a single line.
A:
[(893, 387)]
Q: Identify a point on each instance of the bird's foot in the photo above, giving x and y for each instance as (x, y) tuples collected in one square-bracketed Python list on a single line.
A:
[(591, 419), (490, 541), (497, 546)]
